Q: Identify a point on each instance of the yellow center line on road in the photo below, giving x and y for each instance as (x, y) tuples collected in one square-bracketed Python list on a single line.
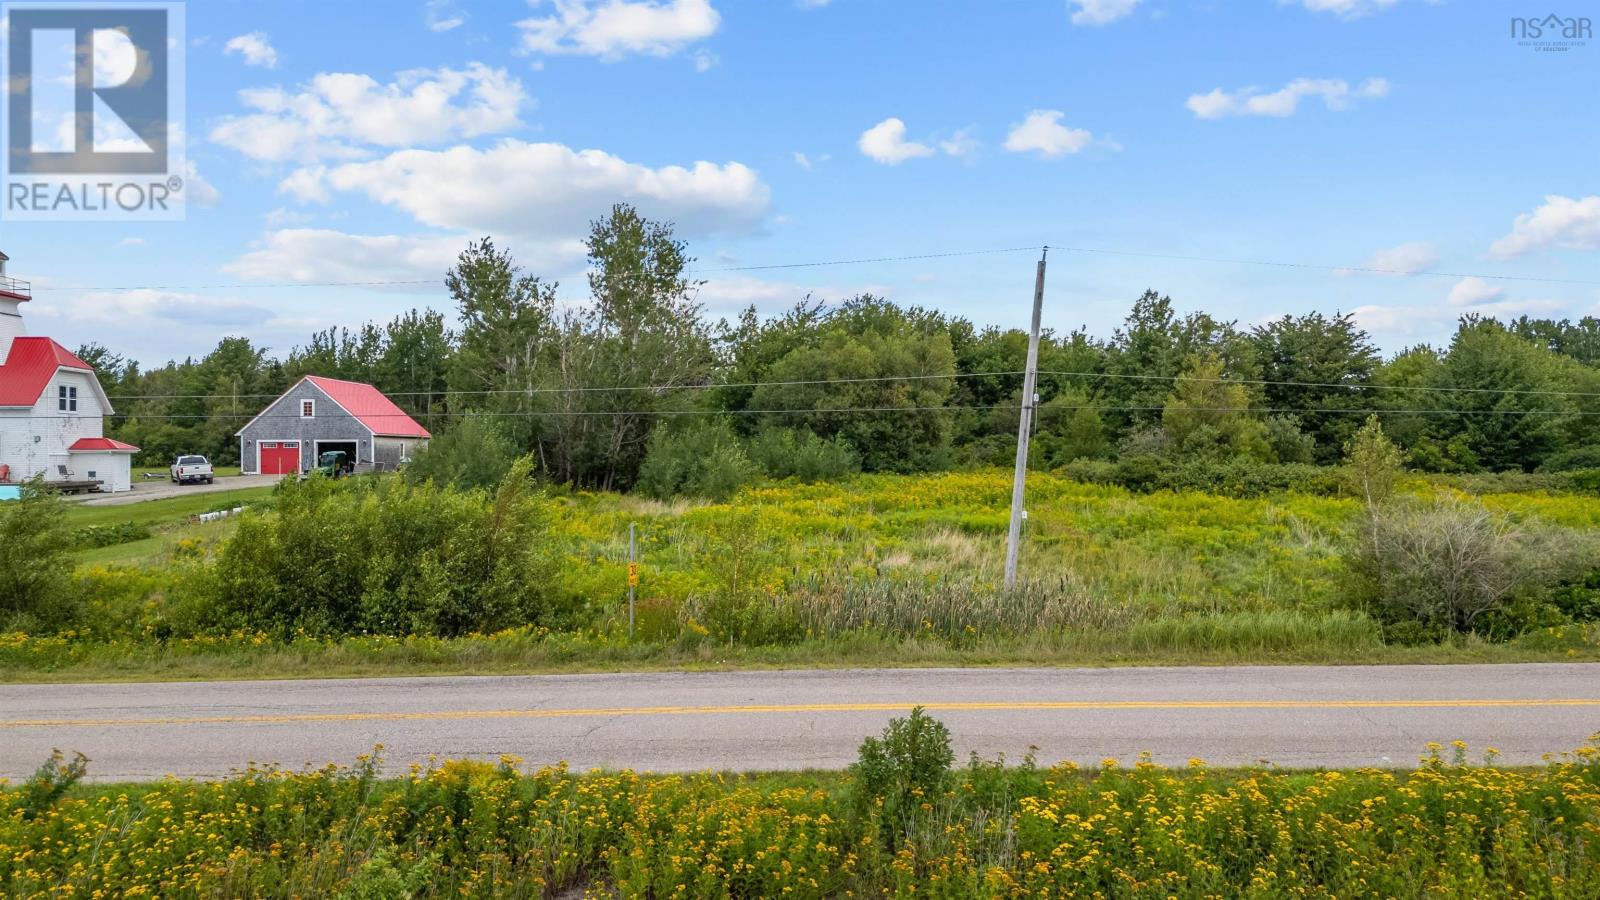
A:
[(998, 706)]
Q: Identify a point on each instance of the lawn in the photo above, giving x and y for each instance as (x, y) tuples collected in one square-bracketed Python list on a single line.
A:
[(161, 513)]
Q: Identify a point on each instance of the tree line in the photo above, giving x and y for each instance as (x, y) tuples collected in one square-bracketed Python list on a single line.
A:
[(592, 391)]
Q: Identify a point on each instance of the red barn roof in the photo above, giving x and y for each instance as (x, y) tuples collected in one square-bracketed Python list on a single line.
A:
[(370, 407), (33, 361), (103, 445)]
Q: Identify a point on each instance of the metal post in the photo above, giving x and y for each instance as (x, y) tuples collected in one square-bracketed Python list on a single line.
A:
[(633, 573), (1030, 381)]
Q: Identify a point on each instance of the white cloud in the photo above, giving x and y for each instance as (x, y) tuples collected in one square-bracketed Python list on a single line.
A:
[(255, 47), (886, 142), (612, 29), (443, 15), (1562, 222), (1350, 9), (809, 162), (811, 4), (340, 114), (1042, 133), (705, 62), (1472, 291), (197, 191), (1336, 94), (962, 144), (1100, 12), (132, 242), (145, 305), (319, 255), (544, 190), (1406, 259)]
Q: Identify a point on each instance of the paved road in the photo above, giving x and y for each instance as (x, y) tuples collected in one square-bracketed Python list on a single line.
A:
[(162, 489), (1290, 716)]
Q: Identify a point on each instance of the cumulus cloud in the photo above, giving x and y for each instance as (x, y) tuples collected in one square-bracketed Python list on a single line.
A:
[(319, 255), (1100, 12), (1471, 291), (543, 189), (1405, 259), (886, 142), (1562, 222), (1042, 133), (613, 29), (341, 115), (255, 47), (961, 145), (1336, 94), (156, 306)]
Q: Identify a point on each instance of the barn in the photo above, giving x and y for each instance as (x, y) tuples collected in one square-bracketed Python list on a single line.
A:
[(319, 414)]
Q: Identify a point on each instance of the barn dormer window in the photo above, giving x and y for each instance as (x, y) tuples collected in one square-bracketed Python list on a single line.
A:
[(66, 399), (308, 409)]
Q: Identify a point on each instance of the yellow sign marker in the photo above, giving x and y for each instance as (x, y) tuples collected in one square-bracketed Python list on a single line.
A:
[(633, 574)]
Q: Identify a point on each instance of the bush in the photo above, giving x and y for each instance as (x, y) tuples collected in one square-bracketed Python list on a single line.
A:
[(1236, 477), (387, 557), (695, 459), (96, 536), (472, 454), (1445, 564), (35, 571), (908, 766), (800, 454)]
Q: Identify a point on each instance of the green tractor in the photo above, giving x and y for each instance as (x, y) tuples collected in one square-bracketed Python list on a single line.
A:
[(334, 464)]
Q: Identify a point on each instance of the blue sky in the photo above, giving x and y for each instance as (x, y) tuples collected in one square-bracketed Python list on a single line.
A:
[(340, 142)]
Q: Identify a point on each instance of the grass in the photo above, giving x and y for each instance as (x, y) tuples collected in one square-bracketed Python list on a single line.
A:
[(879, 570), (166, 471), (168, 511), (1451, 828)]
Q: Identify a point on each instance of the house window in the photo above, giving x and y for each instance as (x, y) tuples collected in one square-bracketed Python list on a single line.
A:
[(308, 409), (66, 398)]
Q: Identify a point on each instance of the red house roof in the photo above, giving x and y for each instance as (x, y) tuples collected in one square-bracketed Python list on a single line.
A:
[(370, 407), (33, 361), (104, 445)]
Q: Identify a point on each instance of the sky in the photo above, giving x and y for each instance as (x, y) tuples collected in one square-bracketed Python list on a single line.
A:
[(337, 142)]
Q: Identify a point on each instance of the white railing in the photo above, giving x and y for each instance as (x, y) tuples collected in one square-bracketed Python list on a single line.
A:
[(15, 286)]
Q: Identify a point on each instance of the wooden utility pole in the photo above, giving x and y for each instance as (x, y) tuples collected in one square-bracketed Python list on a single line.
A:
[(1030, 383)]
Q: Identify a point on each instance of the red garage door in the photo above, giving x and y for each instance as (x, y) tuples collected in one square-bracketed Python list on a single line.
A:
[(280, 457)]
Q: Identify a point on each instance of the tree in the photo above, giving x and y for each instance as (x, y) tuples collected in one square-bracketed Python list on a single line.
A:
[(1206, 414), (1372, 464), (35, 568), (1314, 366)]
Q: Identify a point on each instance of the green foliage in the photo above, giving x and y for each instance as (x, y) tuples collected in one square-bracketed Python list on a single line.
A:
[(1287, 442), (111, 535), (1445, 564), (35, 577), (48, 784), (1239, 477), (1068, 427), (474, 453), (387, 557), (800, 454), (699, 458), (1309, 365), (1372, 464), (1208, 415), (895, 775)]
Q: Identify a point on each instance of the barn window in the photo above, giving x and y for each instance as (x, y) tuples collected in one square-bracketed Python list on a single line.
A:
[(66, 398), (308, 409)]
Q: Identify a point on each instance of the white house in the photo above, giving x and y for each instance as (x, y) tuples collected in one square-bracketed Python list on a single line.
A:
[(52, 408)]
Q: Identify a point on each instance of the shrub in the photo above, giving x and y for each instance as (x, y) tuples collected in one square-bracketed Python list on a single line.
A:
[(96, 536), (695, 459), (1445, 564), (388, 557), (1231, 477), (800, 454), (897, 774), (1288, 443), (1587, 457), (35, 573), (1372, 464), (474, 453)]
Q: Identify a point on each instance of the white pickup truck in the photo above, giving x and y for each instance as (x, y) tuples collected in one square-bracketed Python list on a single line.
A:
[(192, 469)]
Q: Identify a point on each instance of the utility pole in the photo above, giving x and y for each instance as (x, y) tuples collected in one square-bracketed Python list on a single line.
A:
[(1030, 383)]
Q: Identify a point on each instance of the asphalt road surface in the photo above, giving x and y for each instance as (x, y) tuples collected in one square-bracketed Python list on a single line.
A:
[(162, 489), (1288, 716)]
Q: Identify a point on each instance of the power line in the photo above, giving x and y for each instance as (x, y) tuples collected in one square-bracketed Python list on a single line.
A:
[(490, 414), (867, 260), (1330, 384)]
